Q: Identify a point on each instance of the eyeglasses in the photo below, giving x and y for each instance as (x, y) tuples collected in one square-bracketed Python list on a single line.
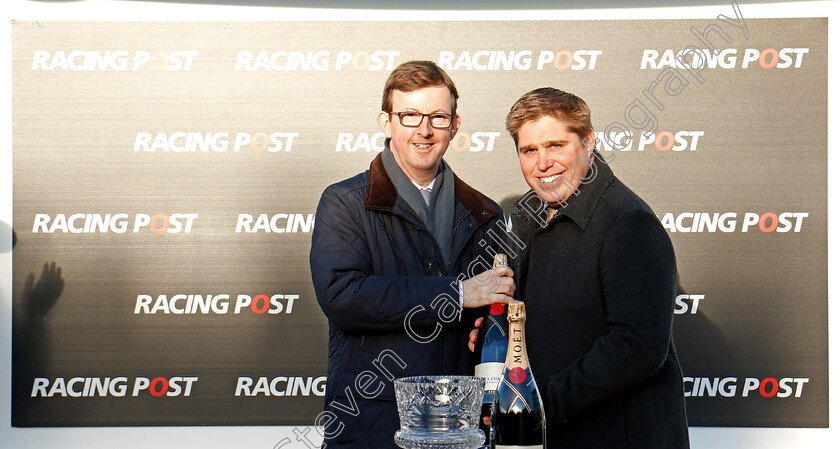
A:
[(413, 119)]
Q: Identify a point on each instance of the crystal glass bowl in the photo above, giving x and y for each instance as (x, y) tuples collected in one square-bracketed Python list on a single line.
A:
[(439, 412)]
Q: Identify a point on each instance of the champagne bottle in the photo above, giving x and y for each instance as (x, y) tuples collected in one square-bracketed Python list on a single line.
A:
[(493, 340), (519, 418)]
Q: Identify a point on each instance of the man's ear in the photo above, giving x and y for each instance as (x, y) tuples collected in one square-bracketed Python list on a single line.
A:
[(456, 124), (384, 122), (590, 142)]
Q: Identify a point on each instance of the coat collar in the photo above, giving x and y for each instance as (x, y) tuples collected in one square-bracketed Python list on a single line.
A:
[(582, 206), (382, 194), (579, 208)]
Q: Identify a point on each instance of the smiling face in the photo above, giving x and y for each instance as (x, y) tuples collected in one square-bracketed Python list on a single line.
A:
[(419, 150), (554, 159)]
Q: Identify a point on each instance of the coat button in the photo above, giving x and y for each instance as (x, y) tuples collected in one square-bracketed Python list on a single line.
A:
[(484, 212)]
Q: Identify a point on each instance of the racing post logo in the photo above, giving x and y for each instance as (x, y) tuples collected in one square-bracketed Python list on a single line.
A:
[(521, 60), (693, 222), (119, 223), (118, 386), (729, 387), (113, 60), (315, 60), (214, 142), (463, 141)]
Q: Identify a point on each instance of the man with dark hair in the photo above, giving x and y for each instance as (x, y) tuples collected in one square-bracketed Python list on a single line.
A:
[(392, 256), (598, 276)]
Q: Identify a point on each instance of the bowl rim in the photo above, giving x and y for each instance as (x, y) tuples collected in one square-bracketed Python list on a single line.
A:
[(438, 379)]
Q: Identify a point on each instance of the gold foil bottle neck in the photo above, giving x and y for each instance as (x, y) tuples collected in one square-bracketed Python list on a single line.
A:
[(516, 311)]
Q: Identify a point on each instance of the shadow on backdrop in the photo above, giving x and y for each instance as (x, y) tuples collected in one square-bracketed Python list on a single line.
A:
[(30, 346)]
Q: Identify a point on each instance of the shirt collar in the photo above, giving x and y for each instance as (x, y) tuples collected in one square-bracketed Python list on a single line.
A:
[(431, 185)]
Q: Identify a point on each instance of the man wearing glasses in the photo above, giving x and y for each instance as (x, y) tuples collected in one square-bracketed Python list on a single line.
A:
[(393, 256)]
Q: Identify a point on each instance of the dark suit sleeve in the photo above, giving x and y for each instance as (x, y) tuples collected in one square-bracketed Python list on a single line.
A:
[(638, 276), (351, 296)]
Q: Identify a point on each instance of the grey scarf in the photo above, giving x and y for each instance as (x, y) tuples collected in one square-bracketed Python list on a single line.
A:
[(439, 215)]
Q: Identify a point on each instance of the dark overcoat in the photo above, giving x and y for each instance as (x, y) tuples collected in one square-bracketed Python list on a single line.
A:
[(598, 281), (390, 299)]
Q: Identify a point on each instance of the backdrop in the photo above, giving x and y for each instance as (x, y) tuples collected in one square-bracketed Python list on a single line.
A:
[(166, 177)]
